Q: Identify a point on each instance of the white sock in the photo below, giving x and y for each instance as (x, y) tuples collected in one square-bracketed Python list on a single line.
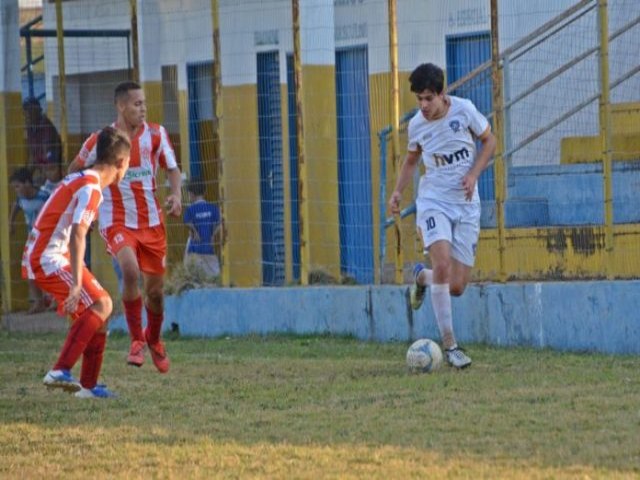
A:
[(425, 277), (441, 302)]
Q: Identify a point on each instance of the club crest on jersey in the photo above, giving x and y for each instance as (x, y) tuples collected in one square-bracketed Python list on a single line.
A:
[(145, 152), (455, 126)]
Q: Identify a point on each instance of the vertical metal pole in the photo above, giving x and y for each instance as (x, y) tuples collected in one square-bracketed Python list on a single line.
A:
[(129, 51), (62, 83), (219, 136), (395, 128), (29, 63), (498, 126), (305, 254), (605, 131), (135, 73), (507, 111)]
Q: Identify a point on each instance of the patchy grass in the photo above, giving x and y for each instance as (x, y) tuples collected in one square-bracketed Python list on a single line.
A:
[(321, 407)]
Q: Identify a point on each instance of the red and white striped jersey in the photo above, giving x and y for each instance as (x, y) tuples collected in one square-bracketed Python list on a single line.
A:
[(75, 201), (132, 202)]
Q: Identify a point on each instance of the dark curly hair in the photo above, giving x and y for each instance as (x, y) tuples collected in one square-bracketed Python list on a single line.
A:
[(427, 77)]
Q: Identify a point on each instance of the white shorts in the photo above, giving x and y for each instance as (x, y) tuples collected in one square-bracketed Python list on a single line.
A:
[(458, 224), (209, 264)]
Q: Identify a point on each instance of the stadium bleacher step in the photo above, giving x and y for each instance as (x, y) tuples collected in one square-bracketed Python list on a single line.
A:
[(519, 212)]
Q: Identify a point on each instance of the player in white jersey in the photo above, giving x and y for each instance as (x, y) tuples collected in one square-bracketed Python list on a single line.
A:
[(443, 133)]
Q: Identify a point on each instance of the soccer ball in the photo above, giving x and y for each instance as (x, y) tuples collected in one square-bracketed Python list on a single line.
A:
[(424, 356)]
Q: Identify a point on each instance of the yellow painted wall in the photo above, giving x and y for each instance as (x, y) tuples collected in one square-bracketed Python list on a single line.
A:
[(560, 253), (183, 114), (12, 153), (155, 102), (241, 185), (321, 151), (625, 138)]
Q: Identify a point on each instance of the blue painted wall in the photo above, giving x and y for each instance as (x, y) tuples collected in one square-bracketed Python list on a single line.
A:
[(354, 164), (271, 171), (573, 316)]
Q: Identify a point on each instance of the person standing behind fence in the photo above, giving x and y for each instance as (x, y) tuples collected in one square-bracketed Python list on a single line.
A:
[(203, 220), (443, 134), (132, 224), (44, 145), (53, 258)]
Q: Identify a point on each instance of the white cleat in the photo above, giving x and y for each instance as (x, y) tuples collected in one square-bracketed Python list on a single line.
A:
[(61, 379), (457, 358), (417, 292)]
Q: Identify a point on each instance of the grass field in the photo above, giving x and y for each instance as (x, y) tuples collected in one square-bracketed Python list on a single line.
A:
[(319, 407)]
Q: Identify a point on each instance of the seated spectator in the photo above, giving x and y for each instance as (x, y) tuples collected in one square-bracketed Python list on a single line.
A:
[(30, 200), (203, 220)]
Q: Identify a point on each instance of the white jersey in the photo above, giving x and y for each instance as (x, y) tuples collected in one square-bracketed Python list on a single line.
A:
[(448, 150)]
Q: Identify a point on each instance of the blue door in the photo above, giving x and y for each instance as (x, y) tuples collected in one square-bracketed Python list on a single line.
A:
[(271, 187), (293, 168), (200, 100), (354, 164), (465, 53)]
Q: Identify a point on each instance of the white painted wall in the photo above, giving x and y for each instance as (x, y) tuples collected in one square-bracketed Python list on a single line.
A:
[(9, 47), (179, 32)]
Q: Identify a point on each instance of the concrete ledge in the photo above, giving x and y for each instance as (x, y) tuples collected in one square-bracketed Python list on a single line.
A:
[(572, 316)]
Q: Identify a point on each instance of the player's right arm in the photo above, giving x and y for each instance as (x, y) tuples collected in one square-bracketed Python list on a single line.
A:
[(406, 174), (87, 200)]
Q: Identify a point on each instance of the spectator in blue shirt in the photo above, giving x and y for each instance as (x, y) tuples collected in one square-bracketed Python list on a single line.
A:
[(203, 220)]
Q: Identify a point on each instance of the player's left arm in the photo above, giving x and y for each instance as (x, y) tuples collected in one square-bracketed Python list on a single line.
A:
[(77, 246), (168, 161), (486, 151), (174, 199)]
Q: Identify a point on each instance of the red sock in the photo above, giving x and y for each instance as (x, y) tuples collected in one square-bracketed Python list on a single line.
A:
[(92, 360), (154, 326), (80, 333), (133, 314)]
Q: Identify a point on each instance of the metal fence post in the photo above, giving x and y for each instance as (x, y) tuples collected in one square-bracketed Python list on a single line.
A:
[(498, 105), (605, 131)]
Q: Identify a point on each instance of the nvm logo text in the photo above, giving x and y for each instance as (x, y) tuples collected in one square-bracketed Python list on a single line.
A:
[(447, 159)]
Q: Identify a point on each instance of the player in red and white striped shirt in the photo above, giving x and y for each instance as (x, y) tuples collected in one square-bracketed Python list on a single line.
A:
[(53, 258), (131, 220)]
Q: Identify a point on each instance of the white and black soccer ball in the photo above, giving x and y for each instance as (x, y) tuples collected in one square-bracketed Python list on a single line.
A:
[(424, 356)]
